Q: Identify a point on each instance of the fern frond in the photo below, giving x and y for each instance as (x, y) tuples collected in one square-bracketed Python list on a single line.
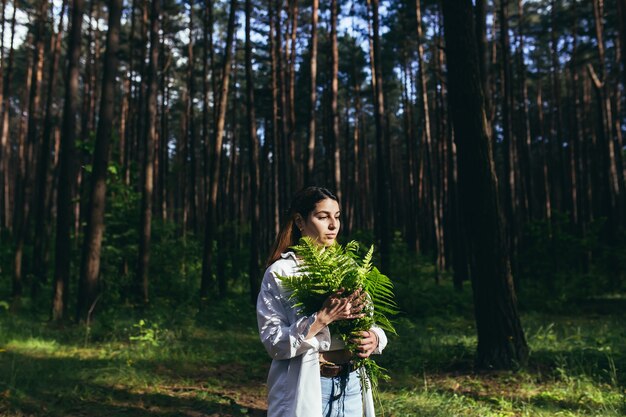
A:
[(325, 270)]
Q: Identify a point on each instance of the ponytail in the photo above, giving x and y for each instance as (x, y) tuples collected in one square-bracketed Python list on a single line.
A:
[(302, 203)]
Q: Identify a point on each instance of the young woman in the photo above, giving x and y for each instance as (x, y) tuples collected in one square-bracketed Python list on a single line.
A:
[(311, 373)]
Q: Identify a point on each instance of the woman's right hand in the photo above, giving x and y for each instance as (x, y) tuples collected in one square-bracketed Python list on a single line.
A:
[(337, 307)]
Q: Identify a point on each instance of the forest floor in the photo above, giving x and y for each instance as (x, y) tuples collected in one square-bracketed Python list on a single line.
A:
[(172, 361)]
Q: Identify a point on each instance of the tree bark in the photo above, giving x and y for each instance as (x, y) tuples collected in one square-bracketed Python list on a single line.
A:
[(335, 148), (310, 164), (43, 167), (149, 139), (88, 286), (383, 206), (211, 217), (4, 130), (67, 170), (253, 172), (501, 340)]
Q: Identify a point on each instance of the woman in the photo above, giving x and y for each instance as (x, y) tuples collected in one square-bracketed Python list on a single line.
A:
[(311, 373)]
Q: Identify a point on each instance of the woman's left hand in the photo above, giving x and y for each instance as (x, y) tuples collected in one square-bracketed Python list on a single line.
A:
[(366, 343)]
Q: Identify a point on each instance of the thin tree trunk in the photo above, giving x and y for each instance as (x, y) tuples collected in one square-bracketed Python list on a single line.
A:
[(621, 13), (525, 165), (150, 137), (66, 166), (275, 184), (211, 215), (4, 131), (88, 285), (602, 89), (432, 171), (310, 165), (383, 164), (253, 155), (481, 38), (335, 150), (43, 167)]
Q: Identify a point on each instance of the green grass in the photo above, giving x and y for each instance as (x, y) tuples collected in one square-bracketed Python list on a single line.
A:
[(179, 362)]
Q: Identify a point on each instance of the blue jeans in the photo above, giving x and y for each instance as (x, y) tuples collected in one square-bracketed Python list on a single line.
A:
[(341, 396)]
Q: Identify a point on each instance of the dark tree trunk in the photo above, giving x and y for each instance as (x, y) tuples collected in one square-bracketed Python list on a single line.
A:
[(501, 340), (67, 175), (335, 148), (383, 164), (88, 285), (310, 164), (150, 137), (253, 155)]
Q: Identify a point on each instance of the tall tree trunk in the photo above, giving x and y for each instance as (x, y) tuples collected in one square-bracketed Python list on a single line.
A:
[(607, 142), (207, 55), (295, 162), (334, 91), (383, 207), (556, 127), (621, 13), (275, 183), (524, 144), (481, 38), (3, 174), (150, 137), (432, 169), (43, 167), (508, 135), (211, 215), (4, 130), (501, 340), (310, 164), (191, 131), (88, 285), (67, 176), (22, 188), (253, 158)]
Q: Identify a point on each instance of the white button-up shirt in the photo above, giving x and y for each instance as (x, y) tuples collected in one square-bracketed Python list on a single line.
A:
[(294, 388)]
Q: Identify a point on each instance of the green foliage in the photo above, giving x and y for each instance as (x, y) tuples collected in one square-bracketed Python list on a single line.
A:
[(147, 334), (217, 366), (558, 264), (326, 270)]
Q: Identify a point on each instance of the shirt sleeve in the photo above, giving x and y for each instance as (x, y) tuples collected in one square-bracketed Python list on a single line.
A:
[(284, 339), (382, 339)]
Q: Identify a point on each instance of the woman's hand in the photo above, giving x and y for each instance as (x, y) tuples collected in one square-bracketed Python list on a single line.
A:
[(367, 342), (336, 307)]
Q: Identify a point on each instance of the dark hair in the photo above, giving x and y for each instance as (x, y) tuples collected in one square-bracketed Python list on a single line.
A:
[(302, 203)]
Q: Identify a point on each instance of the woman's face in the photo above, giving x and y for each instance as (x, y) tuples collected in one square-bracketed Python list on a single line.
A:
[(322, 224)]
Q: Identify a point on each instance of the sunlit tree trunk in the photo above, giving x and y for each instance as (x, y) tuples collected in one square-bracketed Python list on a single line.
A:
[(607, 141), (501, 340), (43, 166), (88, 286), (211, 217), (66, 166)]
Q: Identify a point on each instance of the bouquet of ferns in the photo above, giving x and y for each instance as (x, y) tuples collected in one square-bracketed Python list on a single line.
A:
[(326, 270)]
